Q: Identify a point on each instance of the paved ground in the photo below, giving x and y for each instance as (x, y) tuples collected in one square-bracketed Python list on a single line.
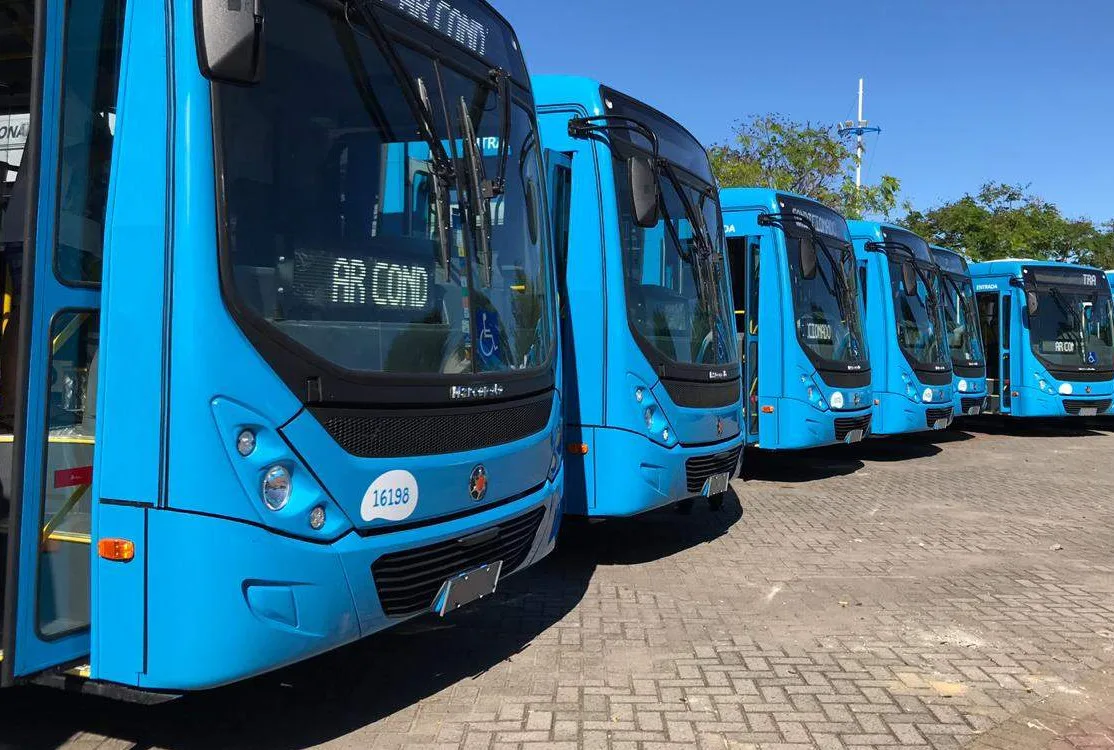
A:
[(935, 592)]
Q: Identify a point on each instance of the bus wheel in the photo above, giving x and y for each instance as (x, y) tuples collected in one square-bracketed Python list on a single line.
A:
[(715, 502), (685, 506)]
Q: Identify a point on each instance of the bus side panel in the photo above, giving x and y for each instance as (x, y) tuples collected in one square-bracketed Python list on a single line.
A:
[(119, 598), (129, 435)]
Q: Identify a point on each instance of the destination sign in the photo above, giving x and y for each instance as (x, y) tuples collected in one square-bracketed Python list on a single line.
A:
[(950, 262), (13, 131), (1074, 277), (471, 24), (823, 220), (325, 280)]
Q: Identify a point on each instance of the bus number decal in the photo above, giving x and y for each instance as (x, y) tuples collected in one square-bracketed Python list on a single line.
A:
[(392, 497)]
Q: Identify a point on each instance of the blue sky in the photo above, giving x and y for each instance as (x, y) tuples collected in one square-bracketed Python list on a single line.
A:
[(966, 91)]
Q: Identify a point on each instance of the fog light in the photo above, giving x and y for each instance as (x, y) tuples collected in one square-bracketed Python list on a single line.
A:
[(276, 487), (837, 400), (648, 415), (1065, 389), (927, 395), (963, 386), (317, 518), (245, 443)]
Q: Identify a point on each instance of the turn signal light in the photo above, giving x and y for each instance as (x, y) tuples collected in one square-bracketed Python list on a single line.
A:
[(119, 550), (578, 449), (767, 410)]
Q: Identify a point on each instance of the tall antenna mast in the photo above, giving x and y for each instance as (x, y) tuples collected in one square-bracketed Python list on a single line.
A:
[(858, 129)]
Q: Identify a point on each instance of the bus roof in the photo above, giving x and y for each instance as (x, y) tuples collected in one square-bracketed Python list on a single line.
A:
[(740, 198)]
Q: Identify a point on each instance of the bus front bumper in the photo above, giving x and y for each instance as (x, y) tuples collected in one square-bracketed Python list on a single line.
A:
[(896, 415), (229, 600), (633, 474), (799, 425)]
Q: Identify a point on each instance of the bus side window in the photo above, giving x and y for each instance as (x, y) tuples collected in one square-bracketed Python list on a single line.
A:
[(562, 220), (862, 284), (1006, 310), (738, 263)]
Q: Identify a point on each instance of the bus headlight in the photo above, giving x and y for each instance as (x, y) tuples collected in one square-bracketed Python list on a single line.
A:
[(556, 444), (927, 395), (962, 386), (836, 400), (648, 415), (277, 485)]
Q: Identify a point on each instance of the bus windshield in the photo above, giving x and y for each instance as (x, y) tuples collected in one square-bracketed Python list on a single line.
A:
[(677, 295), (1073, 327), (961, 320), (677, 289), (919, 326), (828, 323), (347, 236)]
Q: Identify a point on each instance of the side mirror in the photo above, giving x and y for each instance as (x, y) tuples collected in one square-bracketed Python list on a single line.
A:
[(909, 278), (1031, 303), (230, 39), (808, 258), (645, 191)]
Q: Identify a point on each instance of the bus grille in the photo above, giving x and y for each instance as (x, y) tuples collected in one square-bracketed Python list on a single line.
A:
[(932, 416), (1072, 406), (431, 433), (408, 581), (846, 425), (967, 404), (701, 468), (702, 395)]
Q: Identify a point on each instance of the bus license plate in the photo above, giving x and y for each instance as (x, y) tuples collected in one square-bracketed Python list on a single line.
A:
[(1089, 411), (855, 436), (716, 485), (974, 411), (467, 587), (940, 424)]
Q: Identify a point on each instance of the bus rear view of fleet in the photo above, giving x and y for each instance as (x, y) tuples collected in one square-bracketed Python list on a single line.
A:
[(282, 365)]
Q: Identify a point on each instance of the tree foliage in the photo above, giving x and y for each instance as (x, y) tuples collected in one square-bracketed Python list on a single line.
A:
[(774, 151), (1004, 221)]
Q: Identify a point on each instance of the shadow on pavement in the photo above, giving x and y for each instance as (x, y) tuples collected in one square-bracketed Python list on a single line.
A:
[(810, 465), (339, 692), (1066, 427)]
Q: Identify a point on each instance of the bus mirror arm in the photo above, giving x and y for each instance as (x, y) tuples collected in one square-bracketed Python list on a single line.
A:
[(230, 40)]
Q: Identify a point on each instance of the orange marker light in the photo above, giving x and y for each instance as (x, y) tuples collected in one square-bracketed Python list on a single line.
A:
[(767, 410), (578, 449), (119, 550)]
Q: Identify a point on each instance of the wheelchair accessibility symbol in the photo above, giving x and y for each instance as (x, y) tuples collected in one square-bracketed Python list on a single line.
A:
[(1092, 358), (489, 344)]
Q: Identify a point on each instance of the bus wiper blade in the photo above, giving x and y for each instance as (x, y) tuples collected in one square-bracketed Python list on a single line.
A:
[(780, 220), (1069, 313), (417, 100), (479, 206), (498, 186)]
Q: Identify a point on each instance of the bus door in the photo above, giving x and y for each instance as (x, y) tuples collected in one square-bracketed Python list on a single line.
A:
[(994, 321), (53, 233), (744, 260)]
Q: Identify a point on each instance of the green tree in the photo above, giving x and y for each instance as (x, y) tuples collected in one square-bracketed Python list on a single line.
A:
[(1004, 221), (774, 151)]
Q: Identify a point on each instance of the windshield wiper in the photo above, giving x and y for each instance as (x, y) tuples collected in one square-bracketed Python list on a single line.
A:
[(417, 100), (478, 205), (1069, 314), (502, 80), (845, 295)]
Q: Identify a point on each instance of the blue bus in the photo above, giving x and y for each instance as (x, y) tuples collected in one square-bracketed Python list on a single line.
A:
[(653, 406), (910, 361), (799, 320), (1049, 333), (279, 366), (961, 320)]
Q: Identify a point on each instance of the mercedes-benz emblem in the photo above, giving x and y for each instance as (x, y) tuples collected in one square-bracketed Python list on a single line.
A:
[(477, 483), (719, 426)]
